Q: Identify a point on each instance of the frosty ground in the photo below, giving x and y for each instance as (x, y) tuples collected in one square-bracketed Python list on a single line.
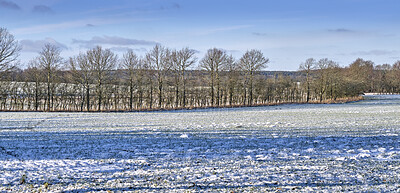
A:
[(336, 147)]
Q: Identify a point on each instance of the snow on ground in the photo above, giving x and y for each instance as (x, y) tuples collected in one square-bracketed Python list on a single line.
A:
[(300, 148)]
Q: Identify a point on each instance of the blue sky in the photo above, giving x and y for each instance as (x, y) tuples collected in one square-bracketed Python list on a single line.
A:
[(286, 31)]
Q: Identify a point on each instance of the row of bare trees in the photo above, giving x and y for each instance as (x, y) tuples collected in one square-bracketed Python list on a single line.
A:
[(98, 80), (325, 79)]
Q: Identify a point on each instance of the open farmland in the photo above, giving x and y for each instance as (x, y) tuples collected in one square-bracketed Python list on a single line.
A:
[(337, 147)]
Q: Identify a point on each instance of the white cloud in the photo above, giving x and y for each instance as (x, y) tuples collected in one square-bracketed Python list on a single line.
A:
[(374, 53), (37, 45), (222, 29), (50, 27), (111, 40), (44, 28), (124, 49)]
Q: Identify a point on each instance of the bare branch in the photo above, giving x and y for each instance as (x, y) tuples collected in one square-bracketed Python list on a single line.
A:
[(9, 50)]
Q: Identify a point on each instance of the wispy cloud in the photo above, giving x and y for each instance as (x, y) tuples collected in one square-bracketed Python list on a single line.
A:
[(37, 45), (72, 24), (42, 9), (127, 9), (374, 53), (9, 5), (176, 5), (111, 40), (230, 51), (259, 34), (125, 48), (170, 6), (222, 29), (341, 30), (50, 27)]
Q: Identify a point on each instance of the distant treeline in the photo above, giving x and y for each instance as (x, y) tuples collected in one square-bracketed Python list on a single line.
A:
[(99, 80)]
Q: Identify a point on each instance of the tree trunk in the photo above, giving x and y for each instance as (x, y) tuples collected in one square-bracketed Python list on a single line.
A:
[(218, 89), (251, 89), (87, 97), (308, 87), (184, 89), (176, 92), (244, 96), (151, 95), (100, 96), (36, 96), (230, 94), (48, 96), (212, 88), (160, 87), (131, 95)]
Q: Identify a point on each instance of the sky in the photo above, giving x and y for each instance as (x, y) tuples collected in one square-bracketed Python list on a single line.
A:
[(286, 31)]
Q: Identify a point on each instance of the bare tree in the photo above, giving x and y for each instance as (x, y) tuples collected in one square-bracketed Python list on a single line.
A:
[(159, 60), (36, 76), (175, 66), (333, 79), (213, 62), (181, 61), (103, 62), (187, 59), (394, 77), (251, 62), (49, 61), (149, 81), (322, 83), (381, 78), (140, 81), (232, 68), (361, 71), (132, 64), (82, 74), (307, 67), (9, 50)]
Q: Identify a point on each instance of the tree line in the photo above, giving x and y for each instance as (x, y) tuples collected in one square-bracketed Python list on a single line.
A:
[(164, 78)]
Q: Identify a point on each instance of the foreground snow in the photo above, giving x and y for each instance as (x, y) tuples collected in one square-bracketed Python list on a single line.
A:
[(348, 147)]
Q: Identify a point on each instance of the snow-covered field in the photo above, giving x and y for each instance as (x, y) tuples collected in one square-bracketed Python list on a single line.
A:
[(338, 147)]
